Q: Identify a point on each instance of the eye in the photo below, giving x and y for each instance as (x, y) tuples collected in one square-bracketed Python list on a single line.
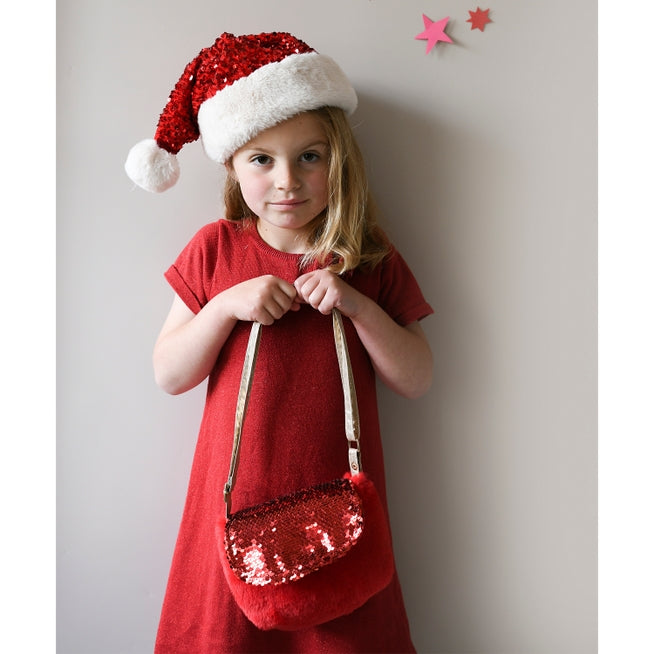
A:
[(261, 160), (309, 157)]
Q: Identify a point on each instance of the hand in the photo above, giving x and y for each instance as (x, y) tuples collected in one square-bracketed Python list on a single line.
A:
[(324, 291), (401, 356), (261, 299)]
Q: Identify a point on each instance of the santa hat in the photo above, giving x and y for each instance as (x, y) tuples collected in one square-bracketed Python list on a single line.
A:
[(230, 92)]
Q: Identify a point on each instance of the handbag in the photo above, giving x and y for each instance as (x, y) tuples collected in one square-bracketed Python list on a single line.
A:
[(309, 557)]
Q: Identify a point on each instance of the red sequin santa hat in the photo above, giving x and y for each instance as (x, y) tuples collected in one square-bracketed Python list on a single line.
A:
[(230, 92)]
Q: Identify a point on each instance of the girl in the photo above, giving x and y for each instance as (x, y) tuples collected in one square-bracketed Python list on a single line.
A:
[(299, 239)]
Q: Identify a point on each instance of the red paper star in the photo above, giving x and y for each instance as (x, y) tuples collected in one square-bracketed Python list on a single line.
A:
[(434, 32), (478, 19)]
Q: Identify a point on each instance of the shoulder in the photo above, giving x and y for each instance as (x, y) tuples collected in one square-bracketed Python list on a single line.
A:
[(393, 285), (217, 235), (207, 261), (392, 264), (394, 261), (218, 229)]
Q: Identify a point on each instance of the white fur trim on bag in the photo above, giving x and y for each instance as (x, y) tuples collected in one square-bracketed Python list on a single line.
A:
[(268, 96)]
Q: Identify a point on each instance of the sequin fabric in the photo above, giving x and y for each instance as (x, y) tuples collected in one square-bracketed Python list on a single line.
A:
[(229, 59), (287, 538)]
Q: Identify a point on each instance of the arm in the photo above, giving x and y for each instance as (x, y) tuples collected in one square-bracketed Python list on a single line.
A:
[(400, 355), (189, 344)]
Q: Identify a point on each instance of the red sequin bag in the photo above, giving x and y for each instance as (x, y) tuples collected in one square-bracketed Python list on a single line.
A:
[(312, 556)]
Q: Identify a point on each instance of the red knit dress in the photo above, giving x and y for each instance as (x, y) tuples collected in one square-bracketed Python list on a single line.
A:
[(293, 437)]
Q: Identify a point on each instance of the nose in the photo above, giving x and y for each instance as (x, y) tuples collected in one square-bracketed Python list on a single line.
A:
[(286, 178)]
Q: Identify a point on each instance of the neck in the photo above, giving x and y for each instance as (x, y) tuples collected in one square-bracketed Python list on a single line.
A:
[(288, 241)]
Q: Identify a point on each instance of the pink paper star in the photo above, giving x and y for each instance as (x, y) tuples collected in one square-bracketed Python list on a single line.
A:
[(434, 32), (478, 19)]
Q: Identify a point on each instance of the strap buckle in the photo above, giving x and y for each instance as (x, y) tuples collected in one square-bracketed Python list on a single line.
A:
[(354, 457), (227, 496)]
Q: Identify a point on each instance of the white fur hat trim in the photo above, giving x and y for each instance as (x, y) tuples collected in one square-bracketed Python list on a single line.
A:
[(268, 96)]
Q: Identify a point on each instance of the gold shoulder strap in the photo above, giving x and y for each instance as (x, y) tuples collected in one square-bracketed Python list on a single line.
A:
[(349, 395)]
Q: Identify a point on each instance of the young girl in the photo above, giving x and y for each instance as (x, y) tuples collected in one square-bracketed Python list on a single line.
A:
[(299, 239)]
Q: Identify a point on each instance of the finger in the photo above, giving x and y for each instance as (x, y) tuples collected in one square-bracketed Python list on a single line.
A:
[(302, 280), (275, 310), (262, 316), (277, 296), (316, 296), (307, 288), (289, 290), (327, 303), (282, 299)]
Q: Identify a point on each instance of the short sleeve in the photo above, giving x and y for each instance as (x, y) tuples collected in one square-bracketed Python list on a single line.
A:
[(393, 286), (399, 293), (191, 275)]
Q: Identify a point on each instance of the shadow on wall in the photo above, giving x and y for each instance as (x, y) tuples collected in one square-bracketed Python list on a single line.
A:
[(419, 171)]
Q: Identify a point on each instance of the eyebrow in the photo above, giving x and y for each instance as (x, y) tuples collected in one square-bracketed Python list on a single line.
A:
[(257, 148)]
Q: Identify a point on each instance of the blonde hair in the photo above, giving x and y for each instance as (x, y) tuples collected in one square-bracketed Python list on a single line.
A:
[(346, 235)]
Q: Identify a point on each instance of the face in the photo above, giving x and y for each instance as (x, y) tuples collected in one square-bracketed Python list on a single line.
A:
[(283, 174)]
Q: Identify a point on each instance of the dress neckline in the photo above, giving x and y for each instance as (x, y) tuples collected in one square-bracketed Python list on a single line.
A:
[(266, 247)]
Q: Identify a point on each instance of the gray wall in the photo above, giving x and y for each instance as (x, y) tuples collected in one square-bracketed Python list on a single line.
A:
[(482, 155)]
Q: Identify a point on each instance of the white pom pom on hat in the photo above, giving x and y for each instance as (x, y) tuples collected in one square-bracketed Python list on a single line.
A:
[(230, 92), (151, 167)]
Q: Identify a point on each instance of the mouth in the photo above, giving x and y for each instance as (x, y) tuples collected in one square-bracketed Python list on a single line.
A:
[(288, 204)]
